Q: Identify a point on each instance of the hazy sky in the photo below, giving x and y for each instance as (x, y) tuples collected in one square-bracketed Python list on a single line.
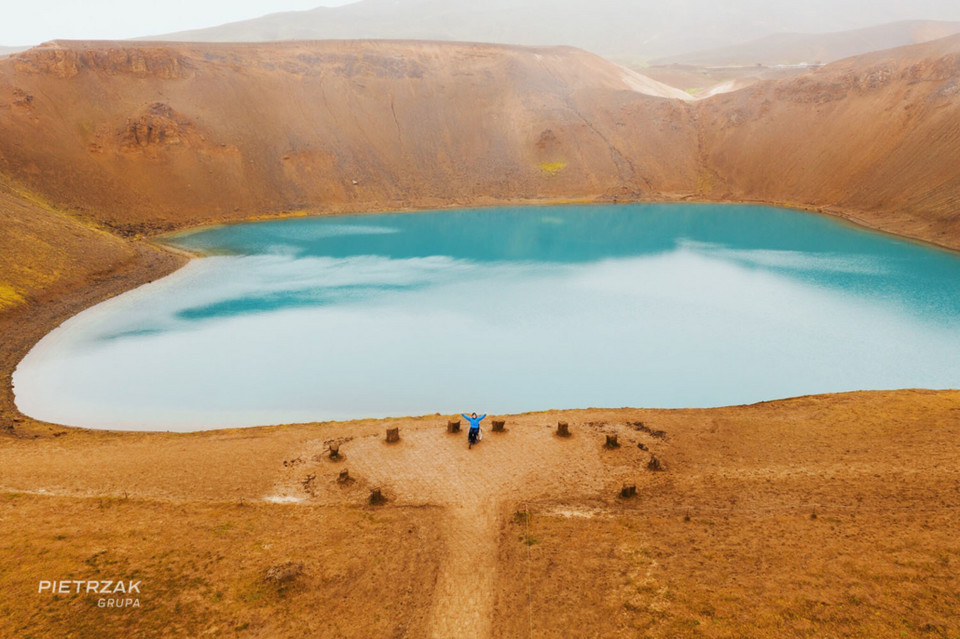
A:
[(35, 21)]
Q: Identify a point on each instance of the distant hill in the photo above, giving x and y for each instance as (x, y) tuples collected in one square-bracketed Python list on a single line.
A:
[(8, 50), (623, 29), (798, 48)]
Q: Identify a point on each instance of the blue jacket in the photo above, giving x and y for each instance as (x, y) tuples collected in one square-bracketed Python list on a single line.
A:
[(474, 421)]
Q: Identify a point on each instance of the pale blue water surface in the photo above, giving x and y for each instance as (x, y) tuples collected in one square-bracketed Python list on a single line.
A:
[(504, 310)]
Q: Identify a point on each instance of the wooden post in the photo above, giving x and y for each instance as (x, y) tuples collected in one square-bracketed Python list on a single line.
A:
[(563, 429), (393, 435), (453, 427), (498, 426), (344, 476), (376, 497), (612, 441), (334, 450), (628, 491), (654, 463)]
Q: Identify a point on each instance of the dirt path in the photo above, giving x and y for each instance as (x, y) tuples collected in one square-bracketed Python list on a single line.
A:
[(529, 462), (463, 600)]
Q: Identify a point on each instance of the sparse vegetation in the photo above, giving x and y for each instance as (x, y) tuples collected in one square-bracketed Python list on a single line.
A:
[(522, 517), (9, 297), (551, 169), (194, 579)]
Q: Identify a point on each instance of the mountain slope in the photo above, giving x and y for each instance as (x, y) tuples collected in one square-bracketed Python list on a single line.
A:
[(621, 28), (69, 252), (877, 136), (146, 137), (799, 48), (143, 137)]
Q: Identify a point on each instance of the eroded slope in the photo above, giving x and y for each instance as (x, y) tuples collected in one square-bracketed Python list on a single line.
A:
[(146, 137), (875, 137)]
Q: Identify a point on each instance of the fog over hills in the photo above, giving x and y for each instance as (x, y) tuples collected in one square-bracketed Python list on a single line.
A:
[(623, 28), (798, 48), (8, 50)]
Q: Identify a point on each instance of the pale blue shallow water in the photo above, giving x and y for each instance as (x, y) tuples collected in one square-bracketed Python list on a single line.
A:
[(504, 310)]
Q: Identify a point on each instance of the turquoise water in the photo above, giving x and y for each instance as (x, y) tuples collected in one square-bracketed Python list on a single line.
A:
[(504, 310)]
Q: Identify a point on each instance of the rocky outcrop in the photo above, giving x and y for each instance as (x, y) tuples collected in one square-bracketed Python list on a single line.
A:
[(66, 60), (158, 126)]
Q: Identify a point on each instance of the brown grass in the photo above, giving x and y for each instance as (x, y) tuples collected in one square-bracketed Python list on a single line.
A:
[(366, 572), (832, 515), (881, 569)]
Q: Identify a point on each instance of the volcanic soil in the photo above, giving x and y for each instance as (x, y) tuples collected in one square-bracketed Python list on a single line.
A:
[(826, 514)]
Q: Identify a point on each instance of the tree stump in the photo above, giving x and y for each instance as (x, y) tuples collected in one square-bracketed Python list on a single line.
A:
[(393, 435), (563, 429), (655, 463), (628, 491), (376, 497), (344, 477), (335, 450), (498, 426), (612, 441), (453, 427)]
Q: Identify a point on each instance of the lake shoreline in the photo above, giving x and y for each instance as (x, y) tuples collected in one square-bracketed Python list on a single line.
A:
[(25, 326), (860, 219)]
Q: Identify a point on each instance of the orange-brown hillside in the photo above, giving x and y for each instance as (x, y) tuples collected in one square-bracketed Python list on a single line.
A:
[(41, 251), (876, 136), (143, 136), (51, 266)]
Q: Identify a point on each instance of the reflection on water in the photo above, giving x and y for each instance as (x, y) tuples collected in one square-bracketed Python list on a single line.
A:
[(504, 310)]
